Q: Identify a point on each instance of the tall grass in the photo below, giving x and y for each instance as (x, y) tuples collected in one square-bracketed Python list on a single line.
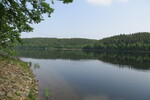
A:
[(47, 94)]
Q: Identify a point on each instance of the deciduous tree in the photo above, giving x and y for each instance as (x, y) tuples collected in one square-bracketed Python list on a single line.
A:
[(16, 16)]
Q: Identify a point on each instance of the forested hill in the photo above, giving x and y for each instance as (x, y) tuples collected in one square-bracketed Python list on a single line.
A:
[(137, 42), (131, 42), (51, 43)]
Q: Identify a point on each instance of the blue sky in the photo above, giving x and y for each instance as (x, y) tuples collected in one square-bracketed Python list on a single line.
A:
[(94, 19)]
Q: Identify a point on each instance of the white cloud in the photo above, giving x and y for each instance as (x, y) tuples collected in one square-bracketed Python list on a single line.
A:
[(122, 0), (100, 2), (105, 2)]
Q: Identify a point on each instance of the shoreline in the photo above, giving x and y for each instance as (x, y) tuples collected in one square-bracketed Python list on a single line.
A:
[(129, 51), (90, 50), (17, 81)]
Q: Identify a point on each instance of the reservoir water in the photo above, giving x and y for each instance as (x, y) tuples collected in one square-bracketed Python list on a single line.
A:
[(79, 75)]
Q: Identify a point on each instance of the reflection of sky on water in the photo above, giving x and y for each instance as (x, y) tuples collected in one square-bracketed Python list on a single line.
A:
[(91, 80)]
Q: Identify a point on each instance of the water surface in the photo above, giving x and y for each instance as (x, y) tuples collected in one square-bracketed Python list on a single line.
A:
[(78, 75)]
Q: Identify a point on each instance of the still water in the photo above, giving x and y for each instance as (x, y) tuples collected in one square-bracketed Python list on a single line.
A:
[(78, 75)]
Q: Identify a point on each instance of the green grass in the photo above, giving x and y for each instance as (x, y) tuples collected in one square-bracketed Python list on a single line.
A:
[(32, 95), (47, 94)]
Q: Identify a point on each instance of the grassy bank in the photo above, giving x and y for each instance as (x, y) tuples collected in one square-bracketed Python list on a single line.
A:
[(16, 80)]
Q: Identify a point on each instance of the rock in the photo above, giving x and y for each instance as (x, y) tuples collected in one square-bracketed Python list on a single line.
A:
[(27, 90), (9, 94), (16, 87), (12, 75), (29, 78), (15, 81), (23, 74), (36, 89), (13, 90), (2, 93), (1, 87)]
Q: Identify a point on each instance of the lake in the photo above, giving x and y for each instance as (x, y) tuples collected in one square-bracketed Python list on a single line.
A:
[(82, 75)]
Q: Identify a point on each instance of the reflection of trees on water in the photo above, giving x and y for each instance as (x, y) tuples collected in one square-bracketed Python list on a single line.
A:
[(122, 59), (55, 54), (131, 60)]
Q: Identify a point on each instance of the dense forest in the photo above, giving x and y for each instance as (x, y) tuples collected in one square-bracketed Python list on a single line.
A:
[(54, 43), (131, 42)]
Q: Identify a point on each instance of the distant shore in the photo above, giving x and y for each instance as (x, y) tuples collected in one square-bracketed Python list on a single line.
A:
[(90, 50)]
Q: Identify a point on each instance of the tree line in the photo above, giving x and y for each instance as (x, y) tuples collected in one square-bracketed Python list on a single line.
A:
[(54, 43), (131, 42)]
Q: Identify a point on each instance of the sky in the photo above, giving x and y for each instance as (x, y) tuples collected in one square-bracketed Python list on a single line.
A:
[(94, 19)]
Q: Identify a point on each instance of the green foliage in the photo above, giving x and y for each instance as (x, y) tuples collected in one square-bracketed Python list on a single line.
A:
[(32, 95), (53, 43), (131, 42), (47, 92), (66, 1), (16, 16), (18, 93)]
